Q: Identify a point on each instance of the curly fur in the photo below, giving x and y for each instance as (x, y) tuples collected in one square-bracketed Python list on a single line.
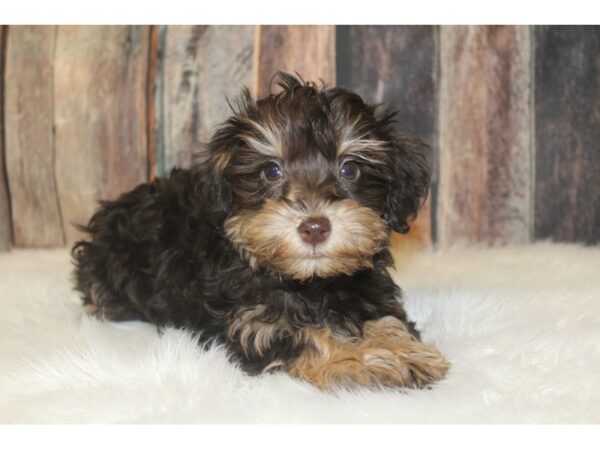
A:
[(215, 249)]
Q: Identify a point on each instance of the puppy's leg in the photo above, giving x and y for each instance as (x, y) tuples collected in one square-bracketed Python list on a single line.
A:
[(386, 355), (261, 342)]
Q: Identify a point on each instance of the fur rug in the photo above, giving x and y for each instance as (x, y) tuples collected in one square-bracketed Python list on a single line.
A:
[(521, 326)]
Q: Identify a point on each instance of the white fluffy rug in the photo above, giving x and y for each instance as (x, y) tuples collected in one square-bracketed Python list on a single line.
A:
[(521, 326)]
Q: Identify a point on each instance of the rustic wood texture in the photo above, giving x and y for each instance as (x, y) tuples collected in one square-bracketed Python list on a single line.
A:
[(88, 112), (30, 151), (308, 50), (5, 220), (485, 185), (198, 68), (100, 115), (151, 95), (567, 106), (395, 65)]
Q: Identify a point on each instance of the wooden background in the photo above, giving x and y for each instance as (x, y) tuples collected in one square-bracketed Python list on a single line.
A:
[(511, 112)]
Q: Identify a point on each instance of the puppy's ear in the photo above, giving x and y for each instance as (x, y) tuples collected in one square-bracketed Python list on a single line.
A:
[(220, 195), (212, 187), (410, 168)]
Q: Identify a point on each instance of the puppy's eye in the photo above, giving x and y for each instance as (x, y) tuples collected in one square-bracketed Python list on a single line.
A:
[(273, 172), (349, 171)]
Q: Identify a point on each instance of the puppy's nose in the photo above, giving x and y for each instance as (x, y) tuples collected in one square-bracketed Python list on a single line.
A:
[(315, 230)]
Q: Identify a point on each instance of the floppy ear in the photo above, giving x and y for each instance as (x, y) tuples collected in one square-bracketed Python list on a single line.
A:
[(410, 176), (219, 195), (212, 187)]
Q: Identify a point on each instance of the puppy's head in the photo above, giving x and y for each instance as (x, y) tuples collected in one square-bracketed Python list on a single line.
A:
[(310, 182)]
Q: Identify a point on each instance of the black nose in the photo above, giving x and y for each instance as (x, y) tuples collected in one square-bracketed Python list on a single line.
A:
[(315, 230)]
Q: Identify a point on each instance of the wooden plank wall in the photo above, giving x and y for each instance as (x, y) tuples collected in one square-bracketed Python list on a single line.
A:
[(306, 50), (485, 135), (510, 113), (100, 108), (29, 121), (198, 67), (5, 221), (567, 158)]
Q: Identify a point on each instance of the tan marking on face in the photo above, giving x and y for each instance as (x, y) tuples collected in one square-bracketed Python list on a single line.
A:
[(386, 355), (353, 143), (270, 141), (253, 332), (269, 238)]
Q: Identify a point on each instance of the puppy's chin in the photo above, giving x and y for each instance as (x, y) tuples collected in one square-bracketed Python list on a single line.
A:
[(269, 239)]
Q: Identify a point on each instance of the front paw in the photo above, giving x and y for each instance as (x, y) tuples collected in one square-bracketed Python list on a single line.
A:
[(404, 364), (396, 357), (386, 355)]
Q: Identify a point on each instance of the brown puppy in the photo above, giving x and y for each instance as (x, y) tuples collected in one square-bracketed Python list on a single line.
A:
[(275, 243)]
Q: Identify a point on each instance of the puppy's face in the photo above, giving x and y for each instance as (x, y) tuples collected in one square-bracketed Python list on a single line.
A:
[(312, 181)]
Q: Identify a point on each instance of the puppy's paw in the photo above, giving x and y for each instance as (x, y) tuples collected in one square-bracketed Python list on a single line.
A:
[(404, 364), (396, 358), (386, 355)]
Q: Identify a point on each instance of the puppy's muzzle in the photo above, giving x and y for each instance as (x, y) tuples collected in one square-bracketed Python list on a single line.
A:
[(315, 230)]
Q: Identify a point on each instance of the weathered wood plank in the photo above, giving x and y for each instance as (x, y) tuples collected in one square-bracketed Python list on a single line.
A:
[(5, 221), (198, 68), (151, 94), (395, 65), (567, 108), (100, 114), (306, 49), (485, 184), (30, 149)]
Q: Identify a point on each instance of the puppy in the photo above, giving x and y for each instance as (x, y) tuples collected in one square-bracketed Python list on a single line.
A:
[(276, 242)]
